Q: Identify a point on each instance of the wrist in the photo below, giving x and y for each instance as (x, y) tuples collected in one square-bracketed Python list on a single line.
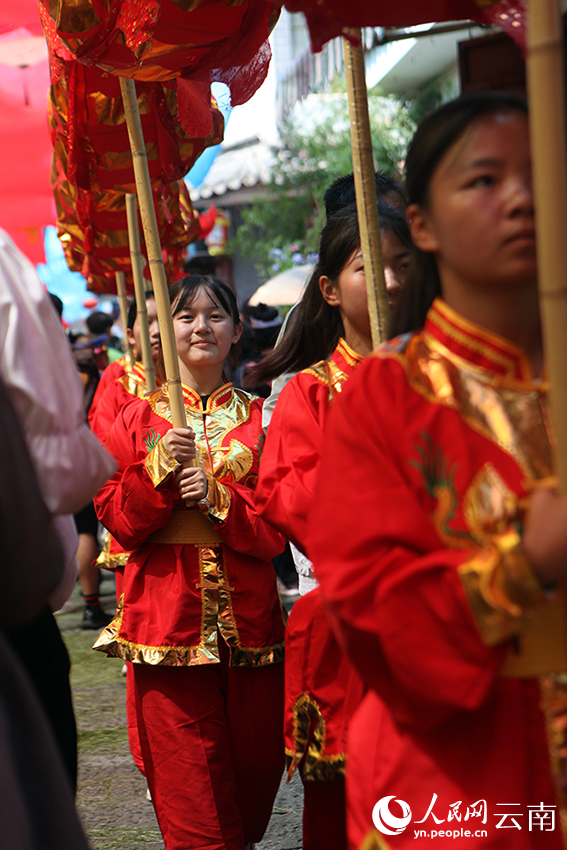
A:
[(204, 503)]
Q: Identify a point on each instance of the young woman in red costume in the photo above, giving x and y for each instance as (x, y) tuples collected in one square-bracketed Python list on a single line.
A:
[(329, 336), (200, 617), (435, 532)]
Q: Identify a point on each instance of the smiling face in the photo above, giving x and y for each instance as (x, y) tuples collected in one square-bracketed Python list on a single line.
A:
[(204, 334), (479, 219)]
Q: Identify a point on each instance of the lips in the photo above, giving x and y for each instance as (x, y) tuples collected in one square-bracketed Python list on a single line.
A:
[(526, 235)]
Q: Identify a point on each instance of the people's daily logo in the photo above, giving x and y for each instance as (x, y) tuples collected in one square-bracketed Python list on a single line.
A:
[(391, 816), (385, 821)]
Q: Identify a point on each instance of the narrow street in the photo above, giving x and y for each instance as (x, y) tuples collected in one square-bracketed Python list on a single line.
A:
[(111, 796)]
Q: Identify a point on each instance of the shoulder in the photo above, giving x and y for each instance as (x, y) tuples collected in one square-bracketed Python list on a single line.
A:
[(381, 379), (115, 370), (320, 371)]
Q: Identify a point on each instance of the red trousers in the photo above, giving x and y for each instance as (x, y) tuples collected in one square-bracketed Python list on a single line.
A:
[(212, 745), (132, 719), (131, 714), (324, 815)]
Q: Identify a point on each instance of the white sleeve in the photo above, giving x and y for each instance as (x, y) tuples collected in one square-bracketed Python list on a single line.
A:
[(41, 378)]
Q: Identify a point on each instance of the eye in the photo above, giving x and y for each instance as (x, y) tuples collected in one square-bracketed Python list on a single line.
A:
[(483, 180)]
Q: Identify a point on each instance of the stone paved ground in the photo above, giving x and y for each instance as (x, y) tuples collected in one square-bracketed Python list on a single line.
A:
[(111, 793)]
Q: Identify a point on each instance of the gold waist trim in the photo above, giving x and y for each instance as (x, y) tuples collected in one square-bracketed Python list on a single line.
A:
[(186, 526)]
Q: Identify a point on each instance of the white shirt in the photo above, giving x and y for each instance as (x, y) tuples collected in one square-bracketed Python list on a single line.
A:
[(41, 378)]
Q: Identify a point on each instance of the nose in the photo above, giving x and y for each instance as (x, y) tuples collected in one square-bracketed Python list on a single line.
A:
[(154, 331), (201, 324), (521, 198), (393, 284)]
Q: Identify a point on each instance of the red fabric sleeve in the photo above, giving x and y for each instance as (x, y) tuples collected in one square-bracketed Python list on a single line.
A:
[(291, 457), (128, 505), (112, 372), (132, 508), (244, 530), (391, 586), (109, 405)]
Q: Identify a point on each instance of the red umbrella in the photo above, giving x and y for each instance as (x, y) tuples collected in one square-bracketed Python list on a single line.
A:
[(329, 19)]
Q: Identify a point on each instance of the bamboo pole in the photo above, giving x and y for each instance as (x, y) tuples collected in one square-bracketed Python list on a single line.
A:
[(547, 128), (365, 188), (121, 291), (139, 289), (151, 236), (543, 643)]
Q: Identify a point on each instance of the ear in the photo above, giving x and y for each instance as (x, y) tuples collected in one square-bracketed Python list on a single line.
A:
[(237, 333), (329, 291), (130, 337), (421, 229)]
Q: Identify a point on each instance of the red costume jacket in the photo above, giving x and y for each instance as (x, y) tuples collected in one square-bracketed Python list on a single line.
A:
[(115, 370), (428, 458), (131, 384), (293, 445), (117, 393), (322, 689), (192, 575)]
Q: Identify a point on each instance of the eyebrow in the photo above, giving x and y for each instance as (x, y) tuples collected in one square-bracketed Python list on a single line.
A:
[(485, 163)]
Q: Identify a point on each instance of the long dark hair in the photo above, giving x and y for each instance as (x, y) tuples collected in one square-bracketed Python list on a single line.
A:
[(315, 327), (432, 139), (184, 291)]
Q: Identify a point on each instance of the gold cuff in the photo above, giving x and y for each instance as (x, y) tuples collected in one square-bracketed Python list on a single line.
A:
[(218, 497), (501, 587), (160, 463)]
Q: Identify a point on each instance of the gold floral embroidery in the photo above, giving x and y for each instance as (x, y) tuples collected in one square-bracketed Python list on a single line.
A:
[(231, 407), (510, 413)]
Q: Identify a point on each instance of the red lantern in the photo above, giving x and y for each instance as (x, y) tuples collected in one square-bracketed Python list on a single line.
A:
[(92, 170)]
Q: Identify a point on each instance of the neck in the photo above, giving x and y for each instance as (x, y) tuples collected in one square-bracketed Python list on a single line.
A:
[(204, 380), (359, 342), (512, 314)]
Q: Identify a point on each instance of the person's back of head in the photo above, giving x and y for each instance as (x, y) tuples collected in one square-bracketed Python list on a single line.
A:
[(341, 193), (99, 323), (57, 304), (265, 322)]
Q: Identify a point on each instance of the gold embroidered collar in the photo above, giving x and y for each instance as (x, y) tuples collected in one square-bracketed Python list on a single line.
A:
[(474, 344)]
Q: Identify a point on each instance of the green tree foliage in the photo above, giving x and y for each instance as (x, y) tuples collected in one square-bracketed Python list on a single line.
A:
[(282, 227)]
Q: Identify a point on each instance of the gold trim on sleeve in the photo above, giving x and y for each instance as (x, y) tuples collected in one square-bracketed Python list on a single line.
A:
[(501, 588), (109, 560), (160, 463), (219, 499), (309, 741)]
